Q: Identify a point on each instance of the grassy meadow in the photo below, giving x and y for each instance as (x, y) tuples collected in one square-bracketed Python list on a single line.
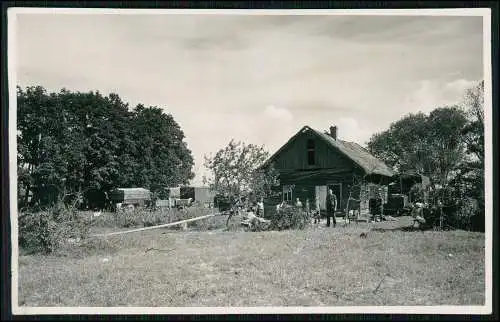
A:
[(317, 266)]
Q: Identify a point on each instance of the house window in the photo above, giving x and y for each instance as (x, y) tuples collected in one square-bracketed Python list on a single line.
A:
[(311, 157)]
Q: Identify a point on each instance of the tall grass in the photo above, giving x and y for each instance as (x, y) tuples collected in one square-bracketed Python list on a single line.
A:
[(146, 218)]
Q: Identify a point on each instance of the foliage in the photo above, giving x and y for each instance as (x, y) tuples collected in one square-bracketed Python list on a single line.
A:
[(403, 145), (458, 215), (290, 217), (265, 181), (471, 172), (427, 144), (161, 146), (48, 230), (447, 145), (69, 142), (235, 170), (474, 130)]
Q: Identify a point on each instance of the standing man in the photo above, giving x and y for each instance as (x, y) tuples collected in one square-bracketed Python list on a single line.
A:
[(331, 207)]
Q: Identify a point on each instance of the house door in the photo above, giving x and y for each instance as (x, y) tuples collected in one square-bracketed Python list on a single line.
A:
[(337, 190), (320, 192)]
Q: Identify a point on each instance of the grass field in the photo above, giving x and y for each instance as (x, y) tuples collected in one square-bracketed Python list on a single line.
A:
[(315, 267)]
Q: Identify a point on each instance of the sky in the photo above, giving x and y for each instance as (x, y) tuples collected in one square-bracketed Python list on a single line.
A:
[(257, 78)]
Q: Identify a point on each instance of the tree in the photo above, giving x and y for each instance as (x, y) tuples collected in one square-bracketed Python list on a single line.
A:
[(161, 147), (404, 145), (41, 130), (474, 130), (430, 145), (471, 171), (446, 145), (70, 142), (237, 172), (264, 181), (234, 168)]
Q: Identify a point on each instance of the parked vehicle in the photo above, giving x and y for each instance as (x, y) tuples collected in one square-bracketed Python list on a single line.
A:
[(130, 197), (404, 190)]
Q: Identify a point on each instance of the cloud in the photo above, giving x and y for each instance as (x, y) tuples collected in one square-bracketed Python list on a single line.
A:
[(278, 114), (348, 129), (257, 78), (270, 127), (458, 86), (430, 94)]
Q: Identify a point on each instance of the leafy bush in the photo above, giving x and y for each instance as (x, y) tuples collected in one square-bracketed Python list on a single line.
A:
[(290, 217), (464, 213), (48, 230), (461, 215)]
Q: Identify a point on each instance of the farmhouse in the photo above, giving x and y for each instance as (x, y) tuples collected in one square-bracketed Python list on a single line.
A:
[(312, 162)]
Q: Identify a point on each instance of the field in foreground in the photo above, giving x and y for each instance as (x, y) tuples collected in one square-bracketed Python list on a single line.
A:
[(316, 267)]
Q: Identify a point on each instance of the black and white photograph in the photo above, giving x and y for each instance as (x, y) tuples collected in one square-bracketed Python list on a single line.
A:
[(250, 161)]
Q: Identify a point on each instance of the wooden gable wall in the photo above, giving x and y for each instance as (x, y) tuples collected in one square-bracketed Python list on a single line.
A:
[(295, 156)]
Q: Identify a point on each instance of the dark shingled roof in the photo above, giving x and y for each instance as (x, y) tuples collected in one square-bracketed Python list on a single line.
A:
[(359, 155)]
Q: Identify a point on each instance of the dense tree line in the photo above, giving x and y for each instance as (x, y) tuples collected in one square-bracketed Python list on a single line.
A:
[(70, 142), (446, 145)]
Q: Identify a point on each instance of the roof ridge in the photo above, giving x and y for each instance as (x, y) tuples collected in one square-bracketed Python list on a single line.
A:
[(374, 163), (351, 150)]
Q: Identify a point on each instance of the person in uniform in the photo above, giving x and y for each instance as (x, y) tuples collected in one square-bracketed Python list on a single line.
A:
[(331, 207)]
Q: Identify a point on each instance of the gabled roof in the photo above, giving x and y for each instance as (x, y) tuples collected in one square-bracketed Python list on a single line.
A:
[(356, 153)]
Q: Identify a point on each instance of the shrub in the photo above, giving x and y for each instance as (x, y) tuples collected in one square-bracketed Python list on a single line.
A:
[(478, 223), (460, 215), (464, 213), (47, 230), (289, 217)]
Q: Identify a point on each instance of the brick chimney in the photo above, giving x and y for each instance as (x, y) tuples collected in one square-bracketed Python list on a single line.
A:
[(333, 132)]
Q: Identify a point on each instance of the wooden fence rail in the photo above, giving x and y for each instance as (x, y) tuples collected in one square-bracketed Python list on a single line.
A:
[(156, 227)]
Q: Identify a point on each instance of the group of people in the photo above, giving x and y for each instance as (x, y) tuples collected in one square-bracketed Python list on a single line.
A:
[(257, 208), (331, 208)]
